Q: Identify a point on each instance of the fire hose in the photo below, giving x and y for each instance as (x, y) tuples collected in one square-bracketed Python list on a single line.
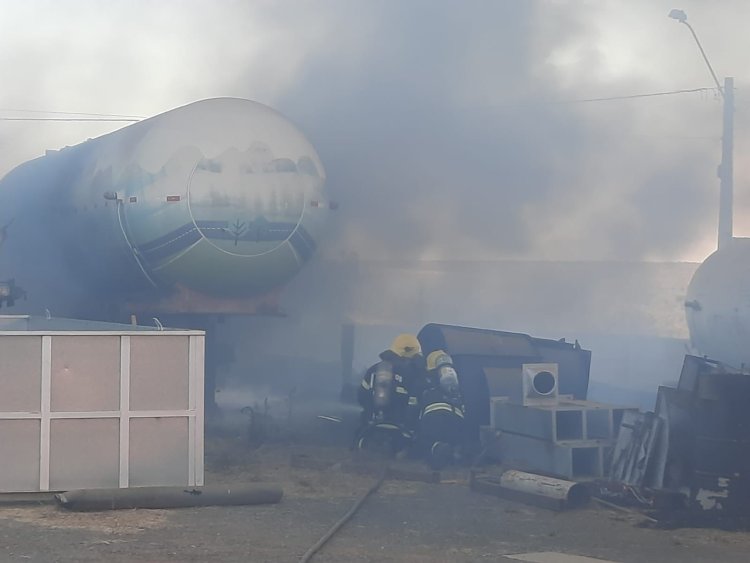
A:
[(344, 519)]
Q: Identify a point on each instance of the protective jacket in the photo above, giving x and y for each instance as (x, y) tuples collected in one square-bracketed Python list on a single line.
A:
[(394, 407), (441, 426)]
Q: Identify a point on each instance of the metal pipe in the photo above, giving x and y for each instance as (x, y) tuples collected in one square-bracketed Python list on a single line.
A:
[(567, 493), (168, 497), (705, 57)]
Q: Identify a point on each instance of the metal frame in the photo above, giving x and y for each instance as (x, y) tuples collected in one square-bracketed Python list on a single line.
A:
[(542, 421), (557, 437), (194, 413)]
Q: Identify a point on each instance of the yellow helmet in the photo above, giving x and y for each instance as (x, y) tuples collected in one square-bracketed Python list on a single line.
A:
[(406, 346), (438, 358)]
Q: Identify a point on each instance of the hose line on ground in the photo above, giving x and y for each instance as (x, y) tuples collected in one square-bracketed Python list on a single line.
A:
[(343, 520)]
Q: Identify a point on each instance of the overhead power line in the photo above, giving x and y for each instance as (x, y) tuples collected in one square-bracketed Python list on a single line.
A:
[(67, 119), (636, 96), (134, 118), (78, 113)]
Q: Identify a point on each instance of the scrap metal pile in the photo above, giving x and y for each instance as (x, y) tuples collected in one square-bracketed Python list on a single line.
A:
[(693, 453), (526, 409)]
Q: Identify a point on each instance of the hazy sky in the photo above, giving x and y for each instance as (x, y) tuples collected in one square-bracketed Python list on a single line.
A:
[(441, 123)]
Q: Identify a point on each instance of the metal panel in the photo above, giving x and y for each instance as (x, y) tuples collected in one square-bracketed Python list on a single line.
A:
[(587, 462), (530, 454), (77, 433), (159, 373), (571, 460), (84, 453), (21, 373), (599, 424), (14, 322), (44, 433), (19, 452), (505, 382), (529, 421), (565, 420), (725, 457), (85, 373), (692, 367), (569, 424), (197, 363), (461, 342), (635, 448), (158, 451), (505, 349), (574, 364), (124, 411), (458, 340)]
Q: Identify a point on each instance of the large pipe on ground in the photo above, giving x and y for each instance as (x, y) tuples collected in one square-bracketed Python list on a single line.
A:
[(529, 488), (168, 497), (567, 493)]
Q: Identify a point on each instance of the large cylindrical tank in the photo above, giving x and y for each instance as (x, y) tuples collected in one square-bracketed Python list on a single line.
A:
[(221, 197), (718, 305)]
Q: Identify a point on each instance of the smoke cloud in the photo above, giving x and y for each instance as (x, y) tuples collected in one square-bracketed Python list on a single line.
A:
[(443, 137), (450, 130), (440, 123)]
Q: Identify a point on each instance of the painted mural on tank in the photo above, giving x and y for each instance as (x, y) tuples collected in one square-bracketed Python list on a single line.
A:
[(220, 197)]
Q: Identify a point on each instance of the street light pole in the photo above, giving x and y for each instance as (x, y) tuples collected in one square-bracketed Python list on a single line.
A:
[(726, 168)]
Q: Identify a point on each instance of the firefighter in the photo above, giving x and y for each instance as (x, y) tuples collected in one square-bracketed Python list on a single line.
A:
[(441, 423), (389, 394)]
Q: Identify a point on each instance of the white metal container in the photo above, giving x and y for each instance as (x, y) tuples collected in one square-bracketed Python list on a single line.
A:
[(96, 405)]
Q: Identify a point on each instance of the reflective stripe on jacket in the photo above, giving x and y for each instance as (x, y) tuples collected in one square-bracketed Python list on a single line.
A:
[(446, 407)]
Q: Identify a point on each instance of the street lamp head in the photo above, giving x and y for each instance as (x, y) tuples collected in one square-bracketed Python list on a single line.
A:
[(678, 15)]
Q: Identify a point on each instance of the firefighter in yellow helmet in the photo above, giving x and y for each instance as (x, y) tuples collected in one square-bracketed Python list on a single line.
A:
[(441, 419), (389, 394)]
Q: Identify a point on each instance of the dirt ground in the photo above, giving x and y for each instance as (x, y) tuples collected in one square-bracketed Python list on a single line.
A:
[(405, 521)]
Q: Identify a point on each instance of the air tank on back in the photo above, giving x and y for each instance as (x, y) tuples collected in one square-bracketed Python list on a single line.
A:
[(718, 304), (200, 209)]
